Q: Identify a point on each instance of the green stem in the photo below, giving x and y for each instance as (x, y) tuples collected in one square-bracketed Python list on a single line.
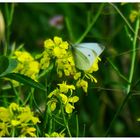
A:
[(13, 131), (27, 99), (133, 57), (117, 70), (117, 113), (50, 123), (130, 79), (45, 118), (77, 126), (128, 24), (19, 100), (69, 29), (65, 121), (31, 97), (91, 24), (37, 107), (84, 130)]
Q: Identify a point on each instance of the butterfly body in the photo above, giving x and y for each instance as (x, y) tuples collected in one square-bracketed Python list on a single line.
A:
[(85, 54)]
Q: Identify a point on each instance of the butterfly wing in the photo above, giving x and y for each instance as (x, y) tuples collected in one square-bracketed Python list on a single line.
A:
[(97, 48), (86, 53), (83, 57)]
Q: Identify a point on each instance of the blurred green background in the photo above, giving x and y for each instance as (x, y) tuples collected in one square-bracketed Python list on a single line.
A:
[(31, 26)]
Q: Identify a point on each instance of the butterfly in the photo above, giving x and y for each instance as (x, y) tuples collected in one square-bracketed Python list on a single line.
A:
[(85, 54)]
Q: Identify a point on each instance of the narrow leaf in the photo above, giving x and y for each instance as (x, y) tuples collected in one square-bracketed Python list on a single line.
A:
[(3, 63), (12, 65), (25, 80)]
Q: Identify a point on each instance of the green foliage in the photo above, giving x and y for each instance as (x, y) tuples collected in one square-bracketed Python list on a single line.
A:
[(7, 65), (25, 80), (110, 107)]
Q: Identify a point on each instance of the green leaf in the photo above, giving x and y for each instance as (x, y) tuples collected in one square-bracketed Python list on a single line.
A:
[(3, 63), (12, 64), (25, 80)]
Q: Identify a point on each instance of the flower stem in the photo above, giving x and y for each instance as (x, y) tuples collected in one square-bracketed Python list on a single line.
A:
[(77, 126), (13, 131), (69, 29), (133, 57), (65, 121), (125, 20), (130, 78), (91, 24)]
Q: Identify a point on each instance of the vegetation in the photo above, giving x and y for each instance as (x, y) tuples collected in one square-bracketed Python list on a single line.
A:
[(44, 94)]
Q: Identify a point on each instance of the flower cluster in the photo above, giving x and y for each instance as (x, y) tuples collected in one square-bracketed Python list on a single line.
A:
[(55, 134), (27, 65), (64, 95), (17, 120), (59, 52)]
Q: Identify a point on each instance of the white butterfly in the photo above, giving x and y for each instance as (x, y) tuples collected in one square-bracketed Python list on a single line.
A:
[(85, 54)]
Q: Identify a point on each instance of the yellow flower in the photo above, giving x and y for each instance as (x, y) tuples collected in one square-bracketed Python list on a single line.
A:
[(57, 40), (69, 108), (54, 92), (55, 134), (33, 70), (49, 44), (64, 45), (70, 59), (77, 75), (60, 93), (94, 67), (53, 106), (27, 65), (60, 73), (64, 98), (59, 52), (133, 15), (34, 67), (64, 87), (83, 84), (66, 101), (19, 118), (27, 116), (74, 99), (4, 114), (35, 120), (28, 131), (4, 130), (45, 60), (13, 107), (15, 122), (23, 56)]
